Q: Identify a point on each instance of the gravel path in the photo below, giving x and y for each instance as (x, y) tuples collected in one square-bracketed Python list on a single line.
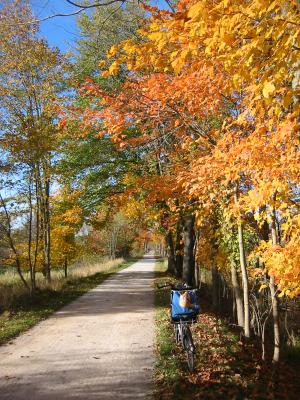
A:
[(98, 347)]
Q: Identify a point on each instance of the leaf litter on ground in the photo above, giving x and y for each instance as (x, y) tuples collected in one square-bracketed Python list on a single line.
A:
[(227, 367)]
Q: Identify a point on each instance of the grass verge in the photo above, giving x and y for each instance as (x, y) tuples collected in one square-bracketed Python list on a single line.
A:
[(167, 368), (27, 311)]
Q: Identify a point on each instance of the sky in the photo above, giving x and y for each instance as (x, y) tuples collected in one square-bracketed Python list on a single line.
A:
[(61, 32)]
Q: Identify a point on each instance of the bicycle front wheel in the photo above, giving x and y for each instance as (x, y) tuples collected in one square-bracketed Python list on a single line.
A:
[(191, 360), (177, 333), (189, 347), (188, 343)]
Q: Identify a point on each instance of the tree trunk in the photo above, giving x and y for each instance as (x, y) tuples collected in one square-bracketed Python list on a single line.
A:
[(66, 267), (160, 251), (215, 287), (188, 253), (31, 264), (171, 255), (43, 198), (244, 274), (197, 266), (197, 274), (37, 224), (178, 251), (245, 281), (275, 310), (47, 261), (110, 248), (145, 246), (237, 296)]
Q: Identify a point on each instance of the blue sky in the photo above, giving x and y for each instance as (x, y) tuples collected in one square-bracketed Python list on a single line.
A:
[(61, 32)]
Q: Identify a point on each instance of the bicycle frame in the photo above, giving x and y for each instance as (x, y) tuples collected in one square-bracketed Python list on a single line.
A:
[(183, 329), (184, 336)]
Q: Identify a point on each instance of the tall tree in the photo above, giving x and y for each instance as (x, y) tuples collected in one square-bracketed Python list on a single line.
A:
[(31, 75)]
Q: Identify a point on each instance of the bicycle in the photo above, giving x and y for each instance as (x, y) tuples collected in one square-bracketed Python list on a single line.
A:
[(182, 318)]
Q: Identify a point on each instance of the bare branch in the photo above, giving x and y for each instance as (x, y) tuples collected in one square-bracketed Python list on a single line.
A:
[(170, 5), (60, 15), (97, 4)]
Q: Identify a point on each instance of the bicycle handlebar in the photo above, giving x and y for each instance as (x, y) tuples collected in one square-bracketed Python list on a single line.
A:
[(180, 286)]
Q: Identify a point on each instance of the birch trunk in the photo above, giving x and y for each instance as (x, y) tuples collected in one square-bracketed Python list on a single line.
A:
[(243, 264), (245, 281), (238, 299), (275, 310)]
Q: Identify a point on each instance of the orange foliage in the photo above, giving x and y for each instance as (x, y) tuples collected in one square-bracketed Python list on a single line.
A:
[(210, 100)]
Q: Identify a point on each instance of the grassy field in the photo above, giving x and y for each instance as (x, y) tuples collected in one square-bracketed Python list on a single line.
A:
[(20, 311)]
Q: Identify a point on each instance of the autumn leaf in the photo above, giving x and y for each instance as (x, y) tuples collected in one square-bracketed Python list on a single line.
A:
[(268, 89)]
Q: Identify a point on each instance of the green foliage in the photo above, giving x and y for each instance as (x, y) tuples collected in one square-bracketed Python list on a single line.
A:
[(94, 166), (99, 31)]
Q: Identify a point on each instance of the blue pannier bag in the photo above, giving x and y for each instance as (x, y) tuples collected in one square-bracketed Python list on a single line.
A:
[(178, 312)]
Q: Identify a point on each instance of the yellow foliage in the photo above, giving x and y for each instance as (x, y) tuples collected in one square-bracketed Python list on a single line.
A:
[(283, 262), (268, 89), (113, 69), (246, 52)]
